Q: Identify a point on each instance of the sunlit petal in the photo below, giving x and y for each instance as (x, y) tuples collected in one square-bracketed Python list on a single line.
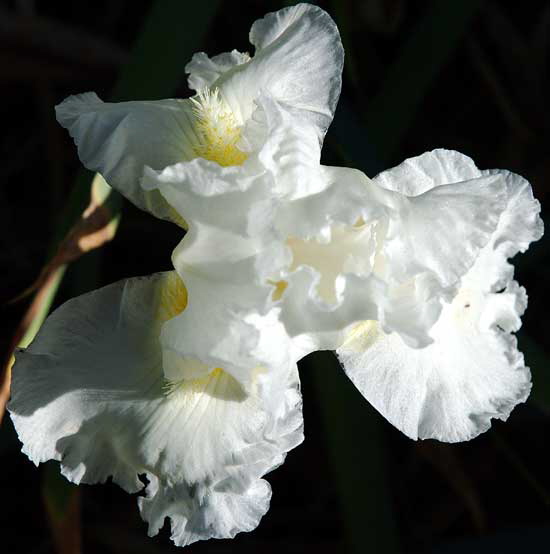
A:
[(119, 139), (90, 392), (472, 372), (298, 60)]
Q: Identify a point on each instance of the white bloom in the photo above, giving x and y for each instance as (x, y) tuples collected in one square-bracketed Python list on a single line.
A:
[(472, 371), (190, 377), (90, 392)]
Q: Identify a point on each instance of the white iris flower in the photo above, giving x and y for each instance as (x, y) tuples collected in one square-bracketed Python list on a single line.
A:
[(189, 377)]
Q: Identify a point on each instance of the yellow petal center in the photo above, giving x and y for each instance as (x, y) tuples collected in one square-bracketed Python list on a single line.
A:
[(173, 297), (217, 129)]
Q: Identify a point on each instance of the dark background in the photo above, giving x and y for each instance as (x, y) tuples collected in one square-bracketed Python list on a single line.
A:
[(470, 76)]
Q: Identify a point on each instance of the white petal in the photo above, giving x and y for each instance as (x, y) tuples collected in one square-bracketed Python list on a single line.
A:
[(290, 152), (246, 220), (298, 60), (119, 139), (432, 169), (204, 71), (90, 392), (446, 186), (452, 388), (443, 230), (222, 514), (472, 372), (237, 250), (519, 225), (224, 323), (224, 266)]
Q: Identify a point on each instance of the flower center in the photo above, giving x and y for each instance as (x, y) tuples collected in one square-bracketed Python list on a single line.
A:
[(348, 249), (217, 129), (218, 383)]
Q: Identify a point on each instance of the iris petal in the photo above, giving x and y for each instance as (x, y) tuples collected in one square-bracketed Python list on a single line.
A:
[(90, 392), (472, 372)]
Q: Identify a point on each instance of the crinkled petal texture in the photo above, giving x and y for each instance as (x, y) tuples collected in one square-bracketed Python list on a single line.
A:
[(298, 60), (429, 170), (337, 247), (90, 392), (472, 371), (378, 251), (442, 212), (235, 249)]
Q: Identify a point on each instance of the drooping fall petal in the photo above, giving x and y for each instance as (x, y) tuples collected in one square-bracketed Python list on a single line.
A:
[(90, 392), (472, 372)]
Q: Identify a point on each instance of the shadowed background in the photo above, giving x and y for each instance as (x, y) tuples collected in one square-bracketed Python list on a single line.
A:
[(471, 76)]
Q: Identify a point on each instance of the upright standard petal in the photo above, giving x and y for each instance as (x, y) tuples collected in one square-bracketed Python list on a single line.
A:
[(204, 71), (90, 392), (298, 60), (472, 371)]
